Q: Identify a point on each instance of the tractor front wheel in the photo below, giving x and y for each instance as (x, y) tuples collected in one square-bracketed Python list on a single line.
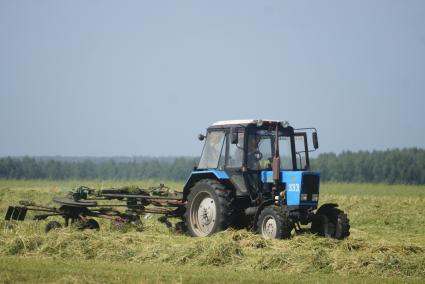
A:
[(274, 223), (208, 208)]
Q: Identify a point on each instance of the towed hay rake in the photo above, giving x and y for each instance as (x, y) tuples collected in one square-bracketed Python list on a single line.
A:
[(83, 204)]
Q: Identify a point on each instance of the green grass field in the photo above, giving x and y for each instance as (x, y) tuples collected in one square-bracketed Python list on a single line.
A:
[(387, 244)]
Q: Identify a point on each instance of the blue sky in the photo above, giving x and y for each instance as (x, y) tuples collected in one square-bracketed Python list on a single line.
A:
[(105, 78)]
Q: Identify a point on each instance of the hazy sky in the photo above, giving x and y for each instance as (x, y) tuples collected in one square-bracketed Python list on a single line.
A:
[(131, 78)]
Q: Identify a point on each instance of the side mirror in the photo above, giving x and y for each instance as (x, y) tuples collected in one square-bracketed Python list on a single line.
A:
[(201, 137), (233, 136), (315, 140)]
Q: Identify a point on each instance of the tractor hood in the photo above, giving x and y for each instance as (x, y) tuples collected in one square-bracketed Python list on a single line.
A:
[(302, 187)]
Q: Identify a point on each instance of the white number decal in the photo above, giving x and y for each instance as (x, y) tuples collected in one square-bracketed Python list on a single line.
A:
[(294, 187)]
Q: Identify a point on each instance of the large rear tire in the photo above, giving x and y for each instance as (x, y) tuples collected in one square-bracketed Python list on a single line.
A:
[(331, 223), (208, 208), (274, 223)]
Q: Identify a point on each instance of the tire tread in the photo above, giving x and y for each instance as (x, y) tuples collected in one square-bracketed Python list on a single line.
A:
[(225, 200), (283, 222)]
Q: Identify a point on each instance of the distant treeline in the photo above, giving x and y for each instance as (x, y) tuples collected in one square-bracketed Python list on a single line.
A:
[(95, 168), (391, 166), (405, 166)]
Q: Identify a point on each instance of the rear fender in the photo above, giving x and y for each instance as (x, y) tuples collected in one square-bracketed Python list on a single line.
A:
[(220, 176)]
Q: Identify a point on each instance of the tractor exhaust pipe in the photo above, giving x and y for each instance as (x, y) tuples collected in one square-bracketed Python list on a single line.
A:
[(276, 161)]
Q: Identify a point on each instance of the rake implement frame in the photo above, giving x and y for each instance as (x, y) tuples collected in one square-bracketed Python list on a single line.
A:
[(83, 202)]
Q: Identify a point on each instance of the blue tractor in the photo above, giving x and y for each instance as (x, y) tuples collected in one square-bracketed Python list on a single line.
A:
[(256, 173)]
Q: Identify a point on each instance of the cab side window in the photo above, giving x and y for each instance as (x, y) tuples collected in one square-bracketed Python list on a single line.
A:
[(260, 150), (235, 156)]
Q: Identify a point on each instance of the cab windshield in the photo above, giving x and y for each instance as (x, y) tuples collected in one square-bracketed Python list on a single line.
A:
[(261, 149)]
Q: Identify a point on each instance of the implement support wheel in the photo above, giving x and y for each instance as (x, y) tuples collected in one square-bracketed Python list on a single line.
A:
[(52, 225)]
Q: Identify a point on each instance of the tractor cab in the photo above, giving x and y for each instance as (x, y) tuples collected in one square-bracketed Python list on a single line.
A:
[(243, 151)]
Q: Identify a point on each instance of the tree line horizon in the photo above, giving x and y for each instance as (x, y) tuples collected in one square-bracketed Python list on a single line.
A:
[(393, 166)]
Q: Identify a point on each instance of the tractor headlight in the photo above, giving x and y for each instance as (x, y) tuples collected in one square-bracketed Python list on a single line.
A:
[(303, 197), (314, 197)]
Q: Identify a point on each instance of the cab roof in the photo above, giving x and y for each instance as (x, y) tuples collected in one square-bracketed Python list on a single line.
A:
[(245, 122)]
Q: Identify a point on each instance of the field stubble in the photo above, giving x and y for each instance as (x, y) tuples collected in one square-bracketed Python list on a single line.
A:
[(387, 238)]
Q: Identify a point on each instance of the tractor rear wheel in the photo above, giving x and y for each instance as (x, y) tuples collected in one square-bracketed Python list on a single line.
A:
[(331, 223), (208, 208), (274, 223)]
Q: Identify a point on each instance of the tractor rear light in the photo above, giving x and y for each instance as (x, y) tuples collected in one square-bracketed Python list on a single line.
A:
[(303, 197), (314, 197)]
